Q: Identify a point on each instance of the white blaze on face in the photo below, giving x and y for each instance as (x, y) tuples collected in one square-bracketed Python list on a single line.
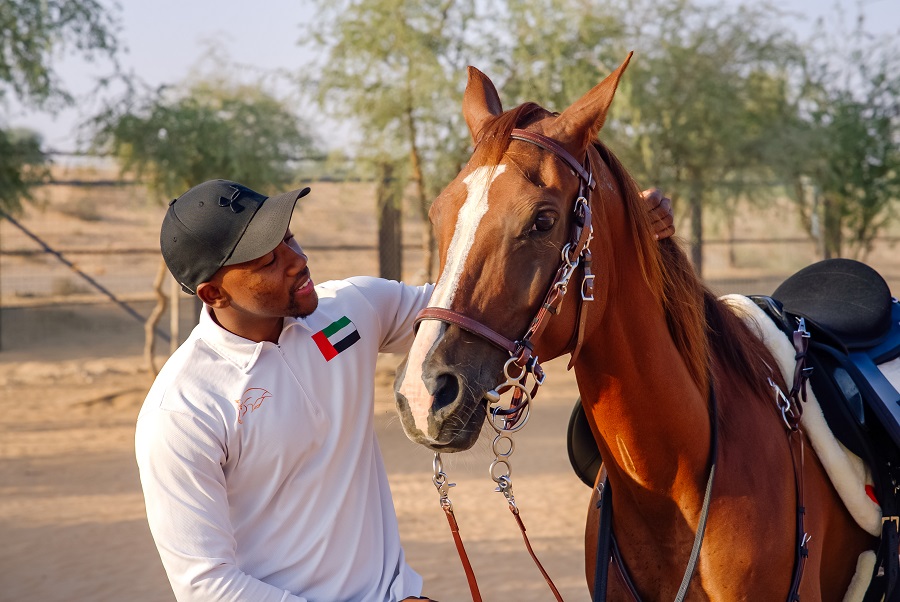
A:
[(413, 388)]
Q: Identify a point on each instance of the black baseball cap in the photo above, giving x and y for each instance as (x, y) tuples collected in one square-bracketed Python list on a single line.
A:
[(219, 223)]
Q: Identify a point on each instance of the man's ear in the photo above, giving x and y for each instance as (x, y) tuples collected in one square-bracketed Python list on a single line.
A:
[(212, 295)]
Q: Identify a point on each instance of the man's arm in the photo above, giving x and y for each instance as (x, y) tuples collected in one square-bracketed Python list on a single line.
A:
[(180, 459), (396, 306)]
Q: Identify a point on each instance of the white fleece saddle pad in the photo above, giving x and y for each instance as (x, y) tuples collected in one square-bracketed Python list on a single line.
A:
[(846, 470)]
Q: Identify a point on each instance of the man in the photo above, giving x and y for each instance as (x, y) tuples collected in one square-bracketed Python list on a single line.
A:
[(261, 472)]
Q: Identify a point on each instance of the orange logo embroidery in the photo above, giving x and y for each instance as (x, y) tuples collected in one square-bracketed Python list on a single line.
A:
[(250, 400)]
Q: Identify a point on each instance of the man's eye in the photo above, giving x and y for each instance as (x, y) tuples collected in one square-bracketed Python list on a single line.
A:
[(544, 222)]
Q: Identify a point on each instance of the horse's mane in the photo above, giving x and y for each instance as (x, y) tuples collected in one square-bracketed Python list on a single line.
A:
[(700, 325)]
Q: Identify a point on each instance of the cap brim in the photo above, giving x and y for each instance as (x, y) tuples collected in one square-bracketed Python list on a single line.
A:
[(267, 227)]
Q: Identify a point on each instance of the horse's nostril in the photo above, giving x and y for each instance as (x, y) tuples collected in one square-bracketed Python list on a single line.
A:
[(446, 392)]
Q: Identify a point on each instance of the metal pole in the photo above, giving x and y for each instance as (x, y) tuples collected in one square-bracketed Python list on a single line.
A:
[(128, 309)]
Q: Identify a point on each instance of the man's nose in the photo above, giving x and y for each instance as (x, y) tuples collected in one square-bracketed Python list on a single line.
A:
[(295, 257)]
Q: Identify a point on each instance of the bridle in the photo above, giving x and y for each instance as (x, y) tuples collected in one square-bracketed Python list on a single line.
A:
[(575, 253)]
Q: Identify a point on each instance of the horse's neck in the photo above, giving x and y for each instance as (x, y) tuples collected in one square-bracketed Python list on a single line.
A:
[(652, 418)]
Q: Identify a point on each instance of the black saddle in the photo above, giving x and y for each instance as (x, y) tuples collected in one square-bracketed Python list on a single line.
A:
[(854, 326)]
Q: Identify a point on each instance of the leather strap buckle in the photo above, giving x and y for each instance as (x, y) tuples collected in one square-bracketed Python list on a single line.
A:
[(587, 288)]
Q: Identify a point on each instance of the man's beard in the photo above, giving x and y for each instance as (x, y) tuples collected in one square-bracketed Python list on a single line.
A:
[(294, 309)]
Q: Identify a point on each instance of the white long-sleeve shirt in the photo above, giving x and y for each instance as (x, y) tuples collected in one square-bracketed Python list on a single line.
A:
[(261, 472)]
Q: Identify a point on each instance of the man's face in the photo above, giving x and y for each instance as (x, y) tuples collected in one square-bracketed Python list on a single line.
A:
[(276, 285)]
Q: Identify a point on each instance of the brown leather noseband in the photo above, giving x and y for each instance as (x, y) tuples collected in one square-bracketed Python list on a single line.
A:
[(574, 253)]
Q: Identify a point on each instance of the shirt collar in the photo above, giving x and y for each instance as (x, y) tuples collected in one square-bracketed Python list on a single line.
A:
[(241, 352)]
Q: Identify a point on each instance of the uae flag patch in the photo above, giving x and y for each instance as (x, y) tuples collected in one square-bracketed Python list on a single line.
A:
[(336, 337)]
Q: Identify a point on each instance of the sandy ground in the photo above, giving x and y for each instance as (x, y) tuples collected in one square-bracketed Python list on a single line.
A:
[(72, 520)]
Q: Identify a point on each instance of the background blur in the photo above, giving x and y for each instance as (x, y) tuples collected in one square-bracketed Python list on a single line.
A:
[(776, 131)]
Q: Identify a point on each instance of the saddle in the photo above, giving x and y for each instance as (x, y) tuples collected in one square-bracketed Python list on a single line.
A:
[(854, 327)]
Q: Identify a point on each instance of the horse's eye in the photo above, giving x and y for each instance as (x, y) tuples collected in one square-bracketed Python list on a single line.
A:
[(544, 222)]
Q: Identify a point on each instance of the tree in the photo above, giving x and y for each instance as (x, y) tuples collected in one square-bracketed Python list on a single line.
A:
[(394, 67), (551, 51), (845, 165), (694, 111), (32, 34), (173, 139)]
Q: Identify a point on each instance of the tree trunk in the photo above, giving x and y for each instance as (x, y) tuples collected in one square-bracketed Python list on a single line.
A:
[(390, 234), (695, 202), (732, 227), (428, 244), (831, 227), (153, 319)]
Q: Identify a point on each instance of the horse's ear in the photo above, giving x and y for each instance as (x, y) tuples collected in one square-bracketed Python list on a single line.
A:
[(578, 125), (481, 103)]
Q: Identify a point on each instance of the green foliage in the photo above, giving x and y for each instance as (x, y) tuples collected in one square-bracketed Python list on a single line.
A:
[(172, 140), (847, 161), (551, 51), (720, 103), (23, 164), (694, 113), (394, 67), (33, 33)]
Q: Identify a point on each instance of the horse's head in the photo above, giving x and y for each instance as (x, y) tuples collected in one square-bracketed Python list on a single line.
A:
[(501, 226)]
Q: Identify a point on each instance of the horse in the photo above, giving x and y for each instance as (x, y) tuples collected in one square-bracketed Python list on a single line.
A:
[(671, 381)]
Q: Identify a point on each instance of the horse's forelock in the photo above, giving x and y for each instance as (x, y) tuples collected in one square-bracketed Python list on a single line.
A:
[(495, 136)]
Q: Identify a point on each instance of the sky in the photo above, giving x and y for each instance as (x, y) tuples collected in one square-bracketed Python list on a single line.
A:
[(166, 40)]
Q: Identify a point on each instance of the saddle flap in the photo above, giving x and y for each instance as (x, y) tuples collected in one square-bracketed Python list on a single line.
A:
[(584, 455)]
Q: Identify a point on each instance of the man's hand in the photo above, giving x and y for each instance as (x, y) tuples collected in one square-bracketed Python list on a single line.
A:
[(661, 219)]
